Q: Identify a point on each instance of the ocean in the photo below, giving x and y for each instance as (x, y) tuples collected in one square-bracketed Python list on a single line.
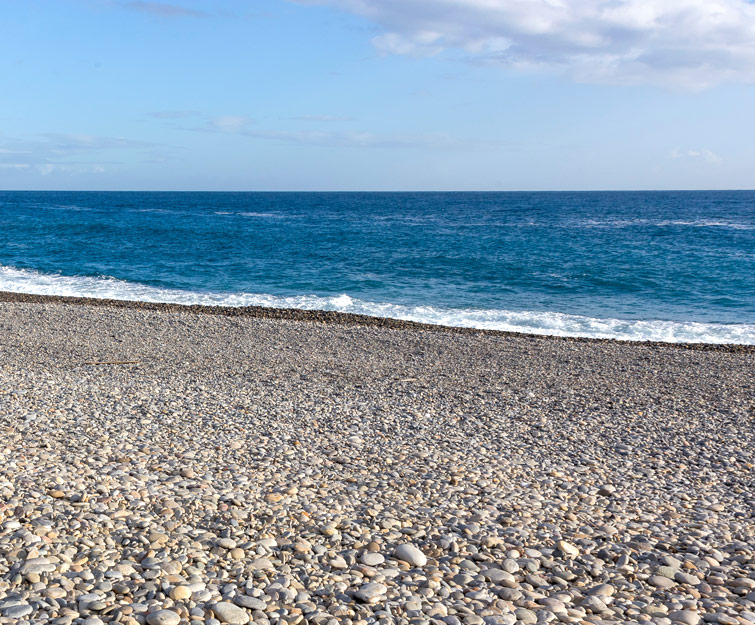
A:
[(661, 266)]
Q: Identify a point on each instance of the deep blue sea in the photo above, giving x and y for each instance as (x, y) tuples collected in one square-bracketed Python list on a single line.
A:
[(668, 266)]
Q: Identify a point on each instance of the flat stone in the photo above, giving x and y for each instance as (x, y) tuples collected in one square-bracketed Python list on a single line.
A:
[(667, 571), (659, 581), (686, 617), (180, 593), (602, 590), (687, 578), (371, 592), (594, 604), (17, 611), (525, 616), (372, 559), (411, 554), (252, 603), (498, 576), (230, 613), (163, 617), (37, 565), (262, 564), (567, 548)]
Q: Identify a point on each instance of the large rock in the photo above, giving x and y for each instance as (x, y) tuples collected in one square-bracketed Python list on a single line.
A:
[(411, 554), (37, 565), (163, 617), (567, 549), (229, 613), (371, 592), (686, 617)]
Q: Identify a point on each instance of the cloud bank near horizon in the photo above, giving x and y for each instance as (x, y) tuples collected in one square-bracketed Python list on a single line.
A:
[(688, 44)]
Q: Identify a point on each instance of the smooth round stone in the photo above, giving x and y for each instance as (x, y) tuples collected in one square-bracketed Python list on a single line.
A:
[(525, 616), (163, 617), (659, 581), (55, 593), (372, 559), (411, 554), (17, 611), (227, 543), (371, 592), (37, 565), (602, 590), (594, 604), (567, 548), (252, 603), (180, 593), (666, 571), (686, 617), (229, 613), (673, 562), (687, 578)]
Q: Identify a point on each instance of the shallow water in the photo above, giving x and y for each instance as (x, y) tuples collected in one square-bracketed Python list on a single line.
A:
[(671, 266)]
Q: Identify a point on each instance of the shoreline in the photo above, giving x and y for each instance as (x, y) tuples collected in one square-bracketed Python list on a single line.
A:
[(334, 317)]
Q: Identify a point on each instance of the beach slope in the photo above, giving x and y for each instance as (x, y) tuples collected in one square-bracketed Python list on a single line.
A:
[(162, 465)]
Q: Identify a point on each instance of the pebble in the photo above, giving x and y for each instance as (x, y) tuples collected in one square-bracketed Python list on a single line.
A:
[(179, 593), (411, 554), (372, 559), (163, 617), (686, 617), (371, 592), (230, 613), (294, 473), (661, 581)]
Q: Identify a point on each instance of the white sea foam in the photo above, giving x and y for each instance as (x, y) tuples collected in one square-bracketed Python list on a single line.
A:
[(697, 223), (262, 215), (546, 323)]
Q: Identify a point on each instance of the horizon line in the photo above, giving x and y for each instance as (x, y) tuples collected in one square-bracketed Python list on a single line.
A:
[(376, 191)]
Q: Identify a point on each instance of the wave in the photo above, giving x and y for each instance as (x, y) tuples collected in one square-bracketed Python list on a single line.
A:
[(696, 223), (263, 215), (531, 322)]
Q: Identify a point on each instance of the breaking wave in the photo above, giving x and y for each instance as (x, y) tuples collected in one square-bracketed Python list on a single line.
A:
[(532, 322)]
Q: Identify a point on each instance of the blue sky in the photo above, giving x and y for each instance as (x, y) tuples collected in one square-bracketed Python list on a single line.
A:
[(377, 94)]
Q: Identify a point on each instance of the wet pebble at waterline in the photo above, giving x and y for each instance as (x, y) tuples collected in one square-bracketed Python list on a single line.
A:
[(283, 472)]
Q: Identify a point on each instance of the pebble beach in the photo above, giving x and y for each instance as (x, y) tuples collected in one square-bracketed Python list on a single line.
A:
[(169, 465)]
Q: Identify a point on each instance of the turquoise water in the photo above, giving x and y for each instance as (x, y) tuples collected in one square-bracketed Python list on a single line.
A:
[(674, 266)]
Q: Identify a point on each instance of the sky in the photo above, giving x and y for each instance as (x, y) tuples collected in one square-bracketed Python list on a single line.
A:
[(377, 95)]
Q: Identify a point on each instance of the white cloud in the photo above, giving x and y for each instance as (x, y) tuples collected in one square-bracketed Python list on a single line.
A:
[(690, 44), (230, 123), (175, 114), (371, 140), (68, 153), (705, 155)]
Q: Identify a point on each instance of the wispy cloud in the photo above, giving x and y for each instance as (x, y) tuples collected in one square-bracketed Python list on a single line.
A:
[(704, 155), (322, 118), (690, 44), (371, 140), (230, 123), (183, 114), (70, 153), (242, 125), (164, 9)]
